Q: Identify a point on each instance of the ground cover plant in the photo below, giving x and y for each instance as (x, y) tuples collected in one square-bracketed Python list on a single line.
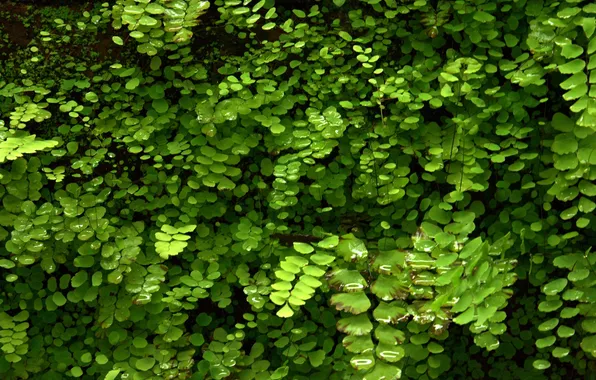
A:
[(276, 189)]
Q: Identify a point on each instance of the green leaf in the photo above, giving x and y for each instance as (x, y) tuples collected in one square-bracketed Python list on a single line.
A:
[(569, 312), (587, 188), (79, 279), (546, 342), (154, 9), (389, 335), (310, 281), (560, 352), (162, 237), (6, 264), (289, 267), (285, 275), (160, 105), (59, 299), (147, 49), (351, 248), (240, 11), (148, 21), (446, 259), (578, 274), (383, 371), (483, 17), (390, 312), (355, 325), (303, 247), (354, 303), (486, 340), (571, 51), (76, 371), (566, 261), (111, 375), (450, 78), (358, 343), (446, 91), (588, 344), (322, 259), (471, 248), (173, 334), (347, 280), (389, 288), (145, 364), (297, 260), (465, 317), (589, 325), (548, 325), (592, 45), (362, 362), (313, 271), (346, 104), (439, 215), (388, 262), (541, 364), (572, 67), (564, 143), (346, 36), (555, 286), (132, 83), (548, 306), (589, 25), (282, 286), (560, 121), (316, 358), (570, 83), (285, 312), (390, 353), (280, 297), (329, 242), (565, 332)]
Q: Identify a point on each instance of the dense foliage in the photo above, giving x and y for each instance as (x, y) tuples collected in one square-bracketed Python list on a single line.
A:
[(333, 189)]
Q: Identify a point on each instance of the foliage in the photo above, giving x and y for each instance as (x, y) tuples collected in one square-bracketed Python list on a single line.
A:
[(334, 189)]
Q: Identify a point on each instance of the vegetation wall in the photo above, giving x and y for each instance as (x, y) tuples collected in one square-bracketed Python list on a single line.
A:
[(276, 189)]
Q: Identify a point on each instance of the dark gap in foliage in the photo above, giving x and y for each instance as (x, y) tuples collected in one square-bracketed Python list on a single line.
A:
[(289, 239), (75, 4), (209, 35), (304, 5)]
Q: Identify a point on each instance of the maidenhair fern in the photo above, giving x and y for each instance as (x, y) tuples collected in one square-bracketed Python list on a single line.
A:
[(259, 189), (12, 148)]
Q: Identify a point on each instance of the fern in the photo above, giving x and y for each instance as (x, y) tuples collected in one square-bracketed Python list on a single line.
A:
[(15, 147)]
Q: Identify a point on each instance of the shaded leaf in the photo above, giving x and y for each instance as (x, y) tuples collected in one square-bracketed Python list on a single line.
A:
[(354, 303), (355, 325)]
